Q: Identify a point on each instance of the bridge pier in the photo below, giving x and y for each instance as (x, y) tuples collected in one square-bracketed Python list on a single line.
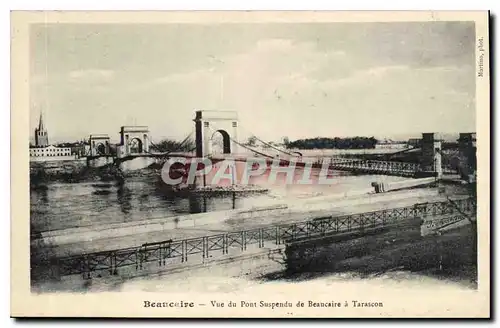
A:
[(431, 155), (136, 163), (467, 148), (99, 154), (99, 161)]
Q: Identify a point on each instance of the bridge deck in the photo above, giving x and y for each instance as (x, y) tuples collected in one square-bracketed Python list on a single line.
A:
[(345, 164), (377, 167)]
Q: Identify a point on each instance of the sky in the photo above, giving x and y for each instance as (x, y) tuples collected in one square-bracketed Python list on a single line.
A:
[(297, 80)]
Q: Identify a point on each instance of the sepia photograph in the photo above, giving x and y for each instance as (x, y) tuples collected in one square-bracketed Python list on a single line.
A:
[(250, 164)]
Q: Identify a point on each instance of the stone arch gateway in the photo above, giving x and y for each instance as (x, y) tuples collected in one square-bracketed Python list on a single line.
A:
[(133, 140), (210, 122), (99, 145)]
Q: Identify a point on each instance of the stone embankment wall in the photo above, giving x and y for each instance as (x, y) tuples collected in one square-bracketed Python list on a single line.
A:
[(373, 252), (280, 211), (78, 170), (58, 167)]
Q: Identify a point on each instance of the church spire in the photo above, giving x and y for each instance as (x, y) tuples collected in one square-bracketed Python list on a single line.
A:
[(40, 123), (41, 137)]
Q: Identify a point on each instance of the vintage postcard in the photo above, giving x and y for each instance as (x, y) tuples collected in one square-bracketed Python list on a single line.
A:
[(250, 164)]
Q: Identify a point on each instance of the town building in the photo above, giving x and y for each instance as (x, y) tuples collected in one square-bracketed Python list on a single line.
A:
[(42, 151), (414, 142), (50, 151), (391, 144)]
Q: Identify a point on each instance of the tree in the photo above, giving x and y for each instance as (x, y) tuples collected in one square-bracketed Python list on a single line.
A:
[(286, 141), (335, 143), (113, 149), (169, 145), (252, 141)]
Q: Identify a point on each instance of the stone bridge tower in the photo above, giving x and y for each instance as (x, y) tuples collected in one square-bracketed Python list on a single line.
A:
[(134, 140), (467, 148), (99, 145), (209, 124), (431, 154)]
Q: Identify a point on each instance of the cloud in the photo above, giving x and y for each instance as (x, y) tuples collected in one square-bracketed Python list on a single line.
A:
[(278, 65), (268, 59), (38, 80), (91, 75), (275, 85), (182, 77), (368, 76), (280, 85)]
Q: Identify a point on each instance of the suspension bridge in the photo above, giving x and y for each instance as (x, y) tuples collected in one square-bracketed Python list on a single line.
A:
[(136, 145)]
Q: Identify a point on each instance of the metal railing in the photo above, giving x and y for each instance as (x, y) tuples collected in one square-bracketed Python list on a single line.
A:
[(398, 168), (235, 242)]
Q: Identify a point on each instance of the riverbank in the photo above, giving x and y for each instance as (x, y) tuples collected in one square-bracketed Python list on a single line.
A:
[(70, 171), (397, 258), (451, 255), (121, 235), (76, 171), (193, 228)]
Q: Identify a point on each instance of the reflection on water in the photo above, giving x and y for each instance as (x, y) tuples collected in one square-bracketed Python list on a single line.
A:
[(65, 205), (124, 198)]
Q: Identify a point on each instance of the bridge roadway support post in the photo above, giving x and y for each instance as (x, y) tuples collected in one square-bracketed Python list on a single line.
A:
[(431, 155)]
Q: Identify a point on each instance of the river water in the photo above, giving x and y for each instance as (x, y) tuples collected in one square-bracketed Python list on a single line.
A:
[(57, 205)]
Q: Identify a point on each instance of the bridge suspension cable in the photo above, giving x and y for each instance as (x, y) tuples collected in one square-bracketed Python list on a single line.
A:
[(399, 152), (183, 142), (457, 166), (273, 147), (268, 144), (246, 147)]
